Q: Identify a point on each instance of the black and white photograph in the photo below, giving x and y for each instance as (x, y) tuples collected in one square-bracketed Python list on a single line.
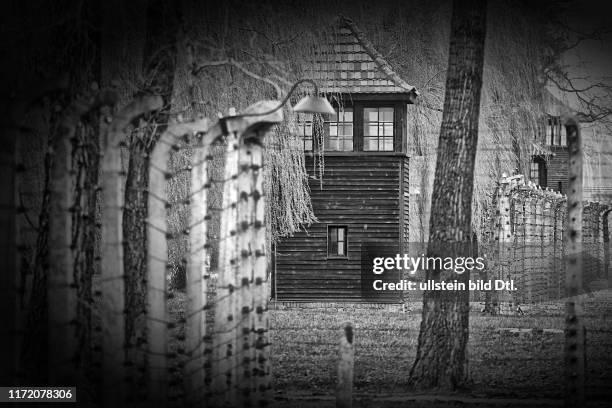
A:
[(309, 204)]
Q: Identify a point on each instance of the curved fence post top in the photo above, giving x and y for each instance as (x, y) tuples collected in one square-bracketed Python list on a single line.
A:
[(135, 108), (253, 117)]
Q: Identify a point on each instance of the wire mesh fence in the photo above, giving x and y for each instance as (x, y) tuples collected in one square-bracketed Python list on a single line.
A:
[(72, 301), (528, 244), (75, 320)]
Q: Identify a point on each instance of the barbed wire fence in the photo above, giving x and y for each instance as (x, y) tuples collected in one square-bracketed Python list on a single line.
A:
[(216, 350), (530, 239)]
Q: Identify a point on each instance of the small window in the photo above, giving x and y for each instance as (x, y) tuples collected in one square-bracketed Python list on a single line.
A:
[(336, 241), (304, 122), (555, 132), (340, 137), (378, 129), (539, 172)]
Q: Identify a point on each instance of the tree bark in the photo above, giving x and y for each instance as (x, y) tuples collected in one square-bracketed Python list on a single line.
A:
[(160, 26), (441, 353)]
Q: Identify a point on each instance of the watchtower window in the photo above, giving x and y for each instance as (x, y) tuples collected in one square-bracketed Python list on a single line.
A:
[(378, 129), (340, 137)]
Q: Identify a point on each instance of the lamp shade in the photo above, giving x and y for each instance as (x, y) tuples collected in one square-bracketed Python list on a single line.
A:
[(314, 104)]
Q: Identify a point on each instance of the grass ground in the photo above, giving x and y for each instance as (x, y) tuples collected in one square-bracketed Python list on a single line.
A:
[(513, 361), (507, 366)]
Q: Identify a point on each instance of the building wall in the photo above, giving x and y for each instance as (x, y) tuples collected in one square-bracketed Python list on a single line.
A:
[(557, 168), (405, 219), (361, 191)]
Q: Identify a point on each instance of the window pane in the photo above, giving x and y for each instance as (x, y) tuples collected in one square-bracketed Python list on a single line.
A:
[(332, 241), (548, 132), (308, 129), (534, 170), (347, 129), (348, 115), (370, 143), (333, 129), (552, 131), (563, 137), (372, 130), (340, 248), (388, 146), (370, 114), (386, 114), (331, 144), (388, 129), (308, 145)]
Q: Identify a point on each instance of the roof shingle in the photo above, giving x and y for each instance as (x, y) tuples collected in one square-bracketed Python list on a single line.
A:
[(352, 65)]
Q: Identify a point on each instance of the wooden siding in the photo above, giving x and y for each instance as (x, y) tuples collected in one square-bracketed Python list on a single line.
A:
[(360, 191), (405, 236), (557, 168)]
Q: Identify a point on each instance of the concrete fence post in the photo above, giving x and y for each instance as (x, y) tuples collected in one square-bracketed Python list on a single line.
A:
[(61, 285), (547, 247), (241, 289), (260, 341), (344, 389), (157, 259), (505, 246), (574, 331), (10, 247), (224, 341), (196, 283), (607, 247), (529, 242), (112, 285), (558, 253)]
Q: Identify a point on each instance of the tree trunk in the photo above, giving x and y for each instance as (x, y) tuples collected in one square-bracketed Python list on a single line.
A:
[(160, 26), (441, 353), (122, 53)]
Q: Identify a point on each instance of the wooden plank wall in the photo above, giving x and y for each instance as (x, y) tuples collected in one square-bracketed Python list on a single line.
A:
[(361, 191), (557, 168), (405, 203)]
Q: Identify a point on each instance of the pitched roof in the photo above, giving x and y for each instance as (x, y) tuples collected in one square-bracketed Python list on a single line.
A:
[(352, 65)]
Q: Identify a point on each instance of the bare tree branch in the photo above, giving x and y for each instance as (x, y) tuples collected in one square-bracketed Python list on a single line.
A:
[(243, 69)]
